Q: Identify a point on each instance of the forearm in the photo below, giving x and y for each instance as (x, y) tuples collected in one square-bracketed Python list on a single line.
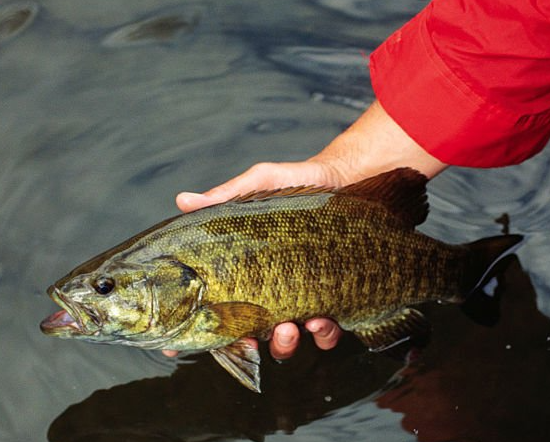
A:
[(374, 144)]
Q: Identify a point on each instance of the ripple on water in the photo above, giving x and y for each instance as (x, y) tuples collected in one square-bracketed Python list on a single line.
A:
[(152, 30), (273, 126), (152, 172), (336, 75), (353, 103), (15, 18), (373, 9), (476, 197), (345, 65)]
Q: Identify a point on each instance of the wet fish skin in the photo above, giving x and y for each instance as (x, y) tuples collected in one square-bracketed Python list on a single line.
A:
[(204, 280)]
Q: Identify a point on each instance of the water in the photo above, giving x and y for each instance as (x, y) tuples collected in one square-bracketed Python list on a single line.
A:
[(110, 108)]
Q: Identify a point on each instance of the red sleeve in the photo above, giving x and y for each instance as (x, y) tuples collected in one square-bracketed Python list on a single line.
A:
[(469, 80)]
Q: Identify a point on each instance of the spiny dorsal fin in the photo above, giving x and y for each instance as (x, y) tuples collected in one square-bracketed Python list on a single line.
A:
[(257, 195), (402, 191)]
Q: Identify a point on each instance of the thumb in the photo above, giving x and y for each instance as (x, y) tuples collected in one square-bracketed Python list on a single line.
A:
[(189, 202), (259, 177)]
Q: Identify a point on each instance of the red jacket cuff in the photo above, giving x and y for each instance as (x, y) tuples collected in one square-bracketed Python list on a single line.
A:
[(443, 114)]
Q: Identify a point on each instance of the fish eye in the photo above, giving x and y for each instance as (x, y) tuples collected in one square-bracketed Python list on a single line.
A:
[(187, 275), (103, 285)]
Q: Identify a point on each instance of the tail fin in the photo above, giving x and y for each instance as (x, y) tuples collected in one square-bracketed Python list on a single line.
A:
[(485, 254)]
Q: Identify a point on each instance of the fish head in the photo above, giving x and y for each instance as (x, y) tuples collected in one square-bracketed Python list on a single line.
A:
[(142, 305)]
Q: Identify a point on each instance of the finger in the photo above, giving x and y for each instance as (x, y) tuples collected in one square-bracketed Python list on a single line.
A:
[(252, 179), (264, 176), (170, 353), (261, 176), (326, 332), (252, 342), (285, 340), (189, 202)]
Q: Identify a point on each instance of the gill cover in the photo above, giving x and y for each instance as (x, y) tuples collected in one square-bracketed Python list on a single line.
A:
[(176, 290)]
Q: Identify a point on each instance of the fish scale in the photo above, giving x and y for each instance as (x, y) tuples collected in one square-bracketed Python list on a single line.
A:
[(294, 262)]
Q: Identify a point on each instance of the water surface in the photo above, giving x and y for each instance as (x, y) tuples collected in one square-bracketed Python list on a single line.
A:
[(110, 108)]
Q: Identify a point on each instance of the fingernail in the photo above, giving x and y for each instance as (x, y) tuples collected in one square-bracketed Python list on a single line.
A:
[(285, 340), (314, 328)]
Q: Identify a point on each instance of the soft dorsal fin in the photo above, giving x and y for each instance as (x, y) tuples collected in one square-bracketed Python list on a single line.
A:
[(402, 191)]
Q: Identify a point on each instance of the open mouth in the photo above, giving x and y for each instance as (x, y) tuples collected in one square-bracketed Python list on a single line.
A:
[(69, 321), (59, 321)]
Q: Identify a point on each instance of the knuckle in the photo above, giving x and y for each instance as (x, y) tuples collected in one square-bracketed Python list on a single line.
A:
[(261, 168)]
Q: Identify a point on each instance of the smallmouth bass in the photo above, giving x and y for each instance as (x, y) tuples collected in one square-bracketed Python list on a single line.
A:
[(202, 281)]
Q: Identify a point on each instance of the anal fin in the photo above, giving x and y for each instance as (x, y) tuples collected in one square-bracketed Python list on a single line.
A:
[(404, 326), (242, 361)]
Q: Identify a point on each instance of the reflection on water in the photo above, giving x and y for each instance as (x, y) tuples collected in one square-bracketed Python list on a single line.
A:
[(109, 109), (200, 402), (477, 383)]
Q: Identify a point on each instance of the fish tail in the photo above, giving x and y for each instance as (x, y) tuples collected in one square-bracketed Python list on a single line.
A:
[(485, 254)]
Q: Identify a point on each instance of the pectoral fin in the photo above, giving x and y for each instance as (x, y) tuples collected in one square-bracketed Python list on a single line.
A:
[(236, 320), (387, 334), (241, 319), (242, 361)]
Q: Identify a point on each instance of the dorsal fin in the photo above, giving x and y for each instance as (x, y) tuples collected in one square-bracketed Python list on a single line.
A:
[(402, 191), (257, 195)]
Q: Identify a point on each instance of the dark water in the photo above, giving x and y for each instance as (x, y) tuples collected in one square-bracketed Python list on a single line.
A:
[(109, 108)]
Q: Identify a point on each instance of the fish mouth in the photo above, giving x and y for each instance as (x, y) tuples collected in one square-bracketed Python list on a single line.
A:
[(71, 321)]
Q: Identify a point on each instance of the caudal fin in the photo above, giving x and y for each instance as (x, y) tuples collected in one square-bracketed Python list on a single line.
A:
[(485, 254)]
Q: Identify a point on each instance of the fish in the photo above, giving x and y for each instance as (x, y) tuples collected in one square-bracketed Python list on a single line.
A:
[(204, 280)]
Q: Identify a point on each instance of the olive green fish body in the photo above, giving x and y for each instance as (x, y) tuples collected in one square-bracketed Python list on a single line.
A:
[(304, 256), (317, 255), (204, 280)]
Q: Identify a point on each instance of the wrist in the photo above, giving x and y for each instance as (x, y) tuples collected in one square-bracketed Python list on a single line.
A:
[(375, 143)]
